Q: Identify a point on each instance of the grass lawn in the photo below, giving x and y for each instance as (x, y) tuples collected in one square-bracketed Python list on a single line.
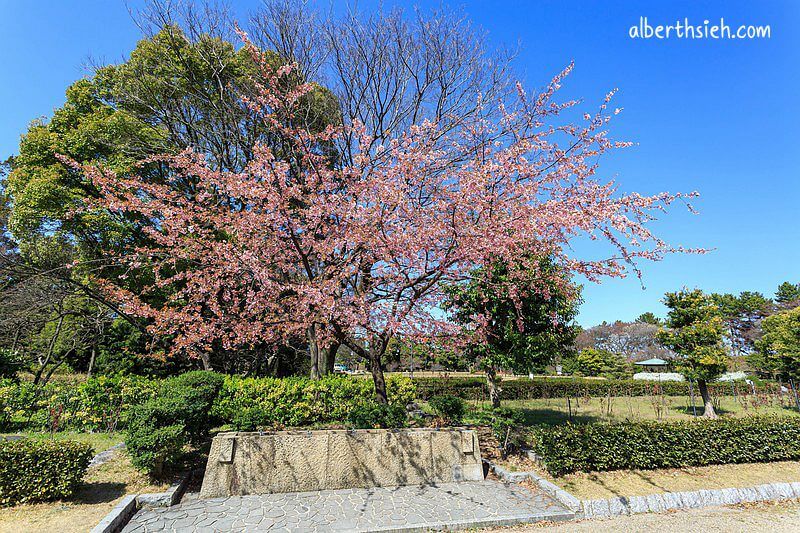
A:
[(643, 482), (99, 441), (103, 487), (556, 410)]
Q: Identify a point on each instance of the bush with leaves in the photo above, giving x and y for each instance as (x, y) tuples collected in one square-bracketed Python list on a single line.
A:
[(449, 408), (647, 445), (198, 390), (256, 403), (157, 434), (376, 415), (34, 470), (180, 413)]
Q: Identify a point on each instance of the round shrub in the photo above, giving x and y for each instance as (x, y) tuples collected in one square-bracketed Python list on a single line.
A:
[(450, 408)]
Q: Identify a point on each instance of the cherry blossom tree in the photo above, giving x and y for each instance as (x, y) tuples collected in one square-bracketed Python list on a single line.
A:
[(356, 250)]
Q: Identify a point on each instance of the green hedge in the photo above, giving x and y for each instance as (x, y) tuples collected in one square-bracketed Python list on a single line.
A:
[(248, 403), (100, 403), (528, 389), (648, 445), (34, 470), (104, 403)]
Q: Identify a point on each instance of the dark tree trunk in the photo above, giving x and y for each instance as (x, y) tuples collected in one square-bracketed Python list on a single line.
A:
[(330, 357), (322, 358), (378, 378), (494, 390), (708, 406)]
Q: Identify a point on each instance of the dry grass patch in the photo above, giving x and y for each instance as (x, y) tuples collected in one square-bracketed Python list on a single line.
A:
[(642, 482), (103, 487)]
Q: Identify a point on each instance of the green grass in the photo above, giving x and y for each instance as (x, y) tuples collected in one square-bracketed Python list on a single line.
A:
[(99, 441), (554, 411)]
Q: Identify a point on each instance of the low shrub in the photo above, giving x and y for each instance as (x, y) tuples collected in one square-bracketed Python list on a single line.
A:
[(377, 415), (561, 387), (254, 403), (448, 407), (34, 470), (647, 445)]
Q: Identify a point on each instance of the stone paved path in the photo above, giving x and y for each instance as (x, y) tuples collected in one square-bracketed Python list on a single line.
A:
[(474, 504)]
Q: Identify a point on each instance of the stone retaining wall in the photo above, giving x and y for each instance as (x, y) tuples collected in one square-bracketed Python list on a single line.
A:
[(296, 461)]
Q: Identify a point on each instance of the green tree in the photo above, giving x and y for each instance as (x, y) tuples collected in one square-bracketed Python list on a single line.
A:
[(694, 331), (788, 293), (649, 318), (177, 89), (779, 347), (594, 362), (741, 315), (530, 330)]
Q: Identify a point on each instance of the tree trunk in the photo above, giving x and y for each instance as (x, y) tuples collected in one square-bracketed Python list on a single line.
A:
[(322, 358), (91, 363), (494, 390), (708, 409), (313, 354), (329, 357), (378, 378), (205, 359), (50, 348)]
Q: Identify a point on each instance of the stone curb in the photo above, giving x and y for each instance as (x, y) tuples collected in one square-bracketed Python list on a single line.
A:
[(620, 506), (168, 498), (474, 524), (605, 508), (122, 513), (118, 517), (560, 495)]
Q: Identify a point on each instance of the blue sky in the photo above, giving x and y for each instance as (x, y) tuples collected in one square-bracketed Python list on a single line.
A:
[(720, 117)]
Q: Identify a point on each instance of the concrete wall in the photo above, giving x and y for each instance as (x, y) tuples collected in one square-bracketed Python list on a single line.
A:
[(295, 461)]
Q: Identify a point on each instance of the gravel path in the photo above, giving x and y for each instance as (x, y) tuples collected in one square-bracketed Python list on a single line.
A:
[(781, 517)]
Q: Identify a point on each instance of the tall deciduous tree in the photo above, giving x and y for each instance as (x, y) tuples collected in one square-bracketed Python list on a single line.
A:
[(693, 330), (526, 312), (356, 250), (635, 341)]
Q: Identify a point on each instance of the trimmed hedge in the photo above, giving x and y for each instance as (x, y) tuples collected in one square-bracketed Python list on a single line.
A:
[(34, 470), (536, 388), (250, 403), (648, 445)]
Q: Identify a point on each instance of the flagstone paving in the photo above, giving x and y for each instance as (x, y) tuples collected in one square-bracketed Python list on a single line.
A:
[(451, 505)]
